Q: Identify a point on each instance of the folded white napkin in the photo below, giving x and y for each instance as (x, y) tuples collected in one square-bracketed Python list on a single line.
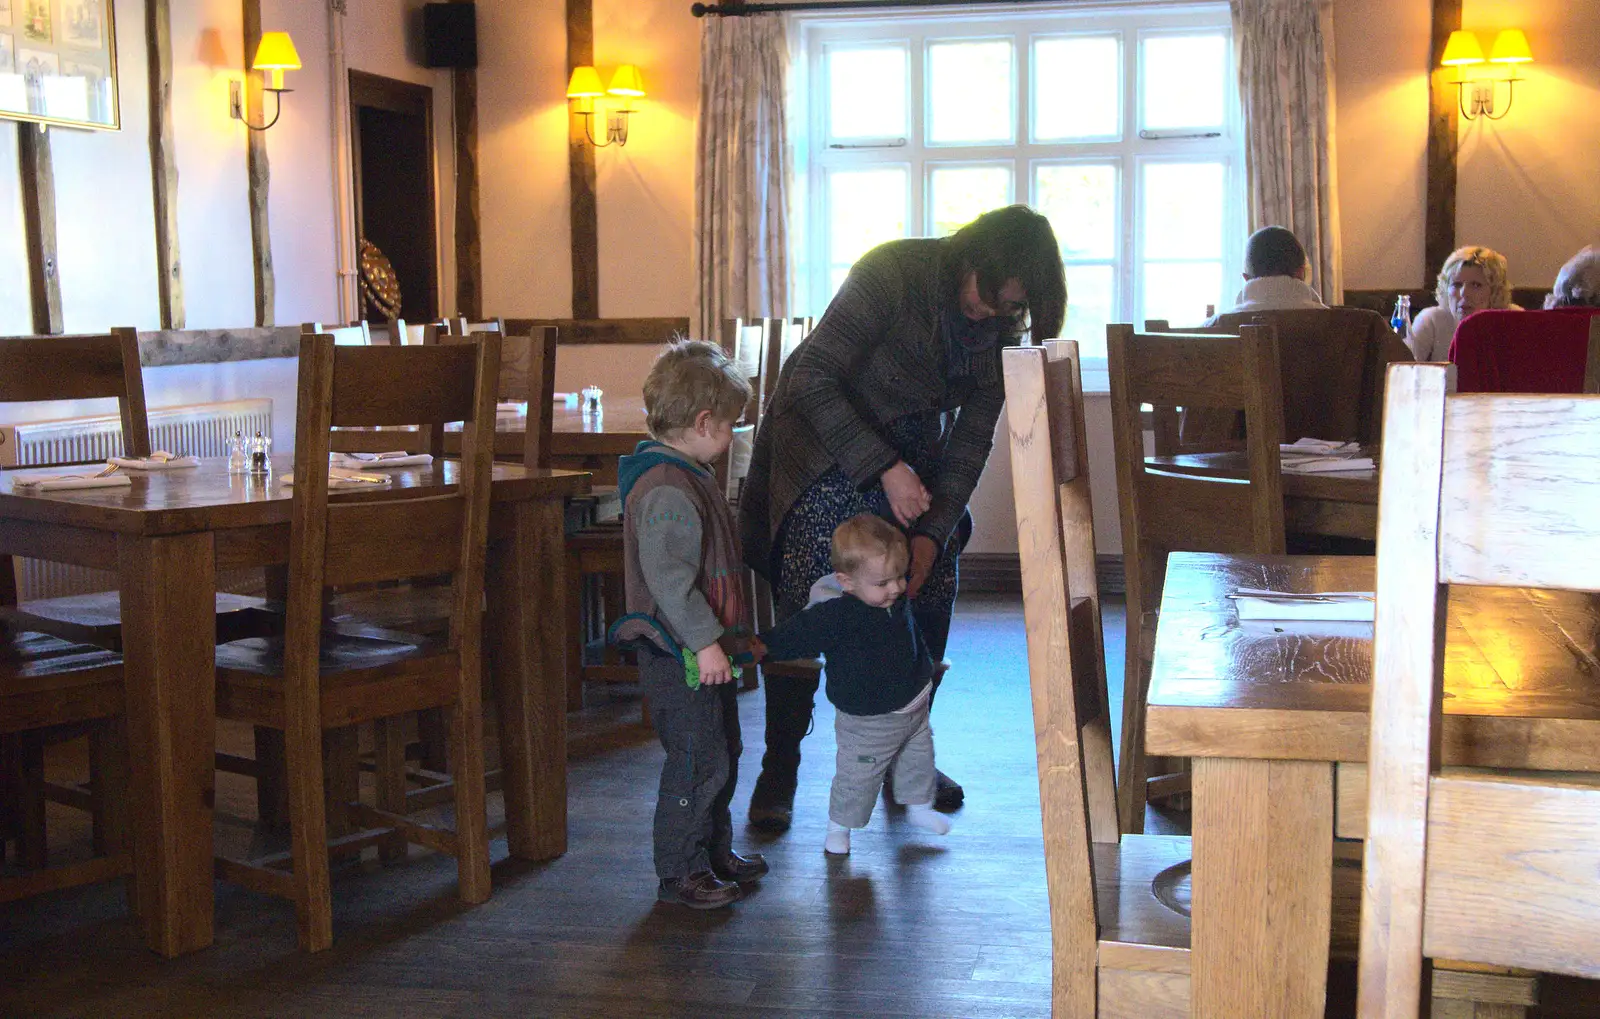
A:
[(160, 460), (1328, 465), (341, 478), (1318, 447), (1353, 606), (400, 458), (89, 477)]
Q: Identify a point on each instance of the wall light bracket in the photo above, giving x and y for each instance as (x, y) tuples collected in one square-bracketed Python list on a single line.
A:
[(1465, 54), (584, 89), (274, 55)]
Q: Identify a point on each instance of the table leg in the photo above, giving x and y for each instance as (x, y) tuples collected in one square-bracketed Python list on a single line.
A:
[(1262, 888), (527, 637), (169, 653)]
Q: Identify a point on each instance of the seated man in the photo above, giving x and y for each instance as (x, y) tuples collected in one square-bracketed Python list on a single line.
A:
[(1275, 274)]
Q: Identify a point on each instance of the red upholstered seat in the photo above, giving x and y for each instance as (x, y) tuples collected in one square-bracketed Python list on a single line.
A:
[(1522, 351)]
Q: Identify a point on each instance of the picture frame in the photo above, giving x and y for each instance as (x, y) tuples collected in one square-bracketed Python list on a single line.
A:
[(58, 63)]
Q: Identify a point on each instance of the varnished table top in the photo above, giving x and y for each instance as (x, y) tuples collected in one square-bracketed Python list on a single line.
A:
[(1522, 670), (209, 498)]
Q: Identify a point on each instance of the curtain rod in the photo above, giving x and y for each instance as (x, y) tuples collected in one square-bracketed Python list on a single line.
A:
[(737, 10)]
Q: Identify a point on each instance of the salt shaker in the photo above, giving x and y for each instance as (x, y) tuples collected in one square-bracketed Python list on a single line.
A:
[(238, 463), (260, 454)]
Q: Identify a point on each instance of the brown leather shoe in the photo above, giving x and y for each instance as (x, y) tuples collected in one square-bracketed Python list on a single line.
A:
[(698, 891), (730, 866)]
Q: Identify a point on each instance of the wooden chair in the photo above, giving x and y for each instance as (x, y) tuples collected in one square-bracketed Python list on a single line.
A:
[(1120, 947), (1487, 867), (356, 334), (90, 367), (51, 690), (309, 682), (1331, 364), (1164, 512)]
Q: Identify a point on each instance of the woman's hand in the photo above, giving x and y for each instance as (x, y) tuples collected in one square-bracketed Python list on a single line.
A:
[(907, 496), (923, 554), (714, 665)]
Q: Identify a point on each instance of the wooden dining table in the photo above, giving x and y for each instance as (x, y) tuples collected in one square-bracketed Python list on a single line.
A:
[(1272, 712), (581, 440), (1341, 504), (168, 534)]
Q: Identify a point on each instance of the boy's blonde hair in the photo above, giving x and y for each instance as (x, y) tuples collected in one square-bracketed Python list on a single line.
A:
[(867, 536), (691, 376)]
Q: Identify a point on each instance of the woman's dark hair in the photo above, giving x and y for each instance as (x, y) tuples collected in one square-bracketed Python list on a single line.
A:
[(1012, 243)]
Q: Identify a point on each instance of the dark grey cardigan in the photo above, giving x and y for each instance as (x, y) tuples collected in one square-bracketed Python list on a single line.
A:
[(876, 355)]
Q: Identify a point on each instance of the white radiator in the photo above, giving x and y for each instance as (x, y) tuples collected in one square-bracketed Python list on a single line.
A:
[(201, 429)]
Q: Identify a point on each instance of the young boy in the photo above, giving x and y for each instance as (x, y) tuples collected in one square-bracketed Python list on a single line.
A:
[(687, 611), (879, 677)]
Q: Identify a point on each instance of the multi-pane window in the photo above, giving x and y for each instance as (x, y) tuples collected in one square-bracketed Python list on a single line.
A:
[(1118, 124)]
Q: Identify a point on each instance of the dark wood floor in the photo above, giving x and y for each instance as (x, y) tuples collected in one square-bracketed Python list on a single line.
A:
[(909, 925)]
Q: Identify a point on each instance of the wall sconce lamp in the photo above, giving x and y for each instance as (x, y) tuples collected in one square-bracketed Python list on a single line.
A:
[(274, 55), (584, 89), (1463, 51)]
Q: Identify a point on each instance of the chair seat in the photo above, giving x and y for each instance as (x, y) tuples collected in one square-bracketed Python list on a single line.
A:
[(340, 652), (47, 681), (375, 675), (1142, 886), (97, 618)]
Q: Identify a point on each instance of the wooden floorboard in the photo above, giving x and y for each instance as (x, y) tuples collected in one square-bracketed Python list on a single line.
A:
[(908, 925)]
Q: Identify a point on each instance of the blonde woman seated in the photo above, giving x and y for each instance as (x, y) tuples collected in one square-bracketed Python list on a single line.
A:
[(1472, 279)]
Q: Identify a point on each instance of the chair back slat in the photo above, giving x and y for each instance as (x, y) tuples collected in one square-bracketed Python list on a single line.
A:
[(1521, 483), (393, 539), (1496, 869), (1537, 845), (35, 369), (527, 375), (428, 385), (1074, 756), (1187, 369)]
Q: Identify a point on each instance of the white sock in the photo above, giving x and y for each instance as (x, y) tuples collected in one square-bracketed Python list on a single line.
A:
[(925, 817), (838, 840)]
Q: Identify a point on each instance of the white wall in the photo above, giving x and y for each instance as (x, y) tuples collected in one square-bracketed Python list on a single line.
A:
[(105, 205)]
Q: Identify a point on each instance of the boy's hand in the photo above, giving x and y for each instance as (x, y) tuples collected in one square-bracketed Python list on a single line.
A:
[(714, 665)]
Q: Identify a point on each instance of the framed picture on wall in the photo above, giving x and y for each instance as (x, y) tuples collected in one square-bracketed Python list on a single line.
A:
[(58, 63)]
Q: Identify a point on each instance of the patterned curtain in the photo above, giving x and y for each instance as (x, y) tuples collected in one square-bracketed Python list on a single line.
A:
[(741, 177), (1286, 87)]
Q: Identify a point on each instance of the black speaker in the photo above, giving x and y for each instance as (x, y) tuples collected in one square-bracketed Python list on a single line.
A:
[(450, 35)]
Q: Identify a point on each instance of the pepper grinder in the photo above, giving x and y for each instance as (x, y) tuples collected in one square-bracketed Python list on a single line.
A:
[(260, 454)]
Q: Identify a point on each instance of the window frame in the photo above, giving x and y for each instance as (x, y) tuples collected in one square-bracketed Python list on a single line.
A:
[(817, 32)]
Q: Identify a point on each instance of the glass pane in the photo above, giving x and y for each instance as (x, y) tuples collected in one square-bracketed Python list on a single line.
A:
[(960, 194), (865, 208), (1183, 210), (1184, 81), (970, 92), (1091, 303), (1180, 291), (867, 92), (1080, 200), (1077, 84)]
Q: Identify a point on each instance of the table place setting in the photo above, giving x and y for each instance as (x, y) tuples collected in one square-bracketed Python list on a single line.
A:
[(1323, 456), (343, 478), (160, 460), (396, 458), (66, 480)]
